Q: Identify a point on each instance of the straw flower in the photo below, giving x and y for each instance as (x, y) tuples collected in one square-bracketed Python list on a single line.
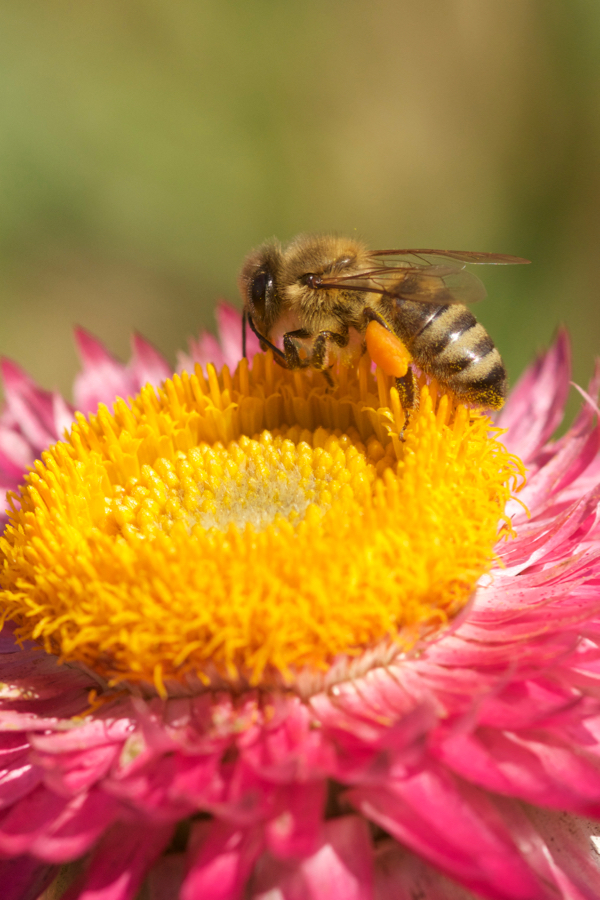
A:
[(260, 642)]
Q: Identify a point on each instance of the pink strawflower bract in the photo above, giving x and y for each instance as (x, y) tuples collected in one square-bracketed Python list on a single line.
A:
[(469, 767)]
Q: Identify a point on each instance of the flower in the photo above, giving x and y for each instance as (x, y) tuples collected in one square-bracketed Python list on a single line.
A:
[(456, 755)]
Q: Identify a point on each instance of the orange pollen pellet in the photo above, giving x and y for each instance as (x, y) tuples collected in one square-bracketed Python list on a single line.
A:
[(387, 350)]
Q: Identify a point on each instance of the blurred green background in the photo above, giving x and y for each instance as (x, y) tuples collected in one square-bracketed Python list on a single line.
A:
[(147, 145)]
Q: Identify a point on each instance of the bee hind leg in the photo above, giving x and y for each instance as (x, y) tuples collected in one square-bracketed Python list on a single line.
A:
[(408, 391), (371, 315)]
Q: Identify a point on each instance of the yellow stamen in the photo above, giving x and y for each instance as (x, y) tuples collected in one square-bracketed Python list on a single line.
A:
[(248, 527)]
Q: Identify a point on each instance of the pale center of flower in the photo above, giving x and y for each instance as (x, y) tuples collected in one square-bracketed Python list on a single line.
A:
[(253, 528), (250, 482), (269, 483)]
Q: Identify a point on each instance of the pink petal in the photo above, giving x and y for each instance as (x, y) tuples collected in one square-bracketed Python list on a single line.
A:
[(566, 464), (24, 878), (72, 835), (147, 364), (574, 859), (341, 867), (296, 830), (8, 644), (203, 350), (16, 454), (29, 406), (13, 747), (121, 862), (247, 799), (3, 508), (459, 829), (25, 821), (539, 539), (17, 779), (518, 765), (62, 414), (52, 829), (70, 774), (44, 714), (88, 734), (102, 379), (222, 858), (165, 878), (227, 350), (149, 789), (198, 779), (375, 724), (287, 747), (536, 404), (401, 875)]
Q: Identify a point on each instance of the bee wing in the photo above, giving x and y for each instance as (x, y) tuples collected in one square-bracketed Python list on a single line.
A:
[(423, 284), (425, 276), (433, 257)]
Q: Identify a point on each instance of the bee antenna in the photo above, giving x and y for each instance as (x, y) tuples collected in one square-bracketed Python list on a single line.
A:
[(244, 325)]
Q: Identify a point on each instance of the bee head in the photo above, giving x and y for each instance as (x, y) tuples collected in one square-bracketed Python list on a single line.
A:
[(258, 283)]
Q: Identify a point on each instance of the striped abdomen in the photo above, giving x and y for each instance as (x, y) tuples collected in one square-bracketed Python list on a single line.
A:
[(448, 343)]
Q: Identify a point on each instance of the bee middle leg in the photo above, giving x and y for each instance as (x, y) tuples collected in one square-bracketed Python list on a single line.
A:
[(318, 356)]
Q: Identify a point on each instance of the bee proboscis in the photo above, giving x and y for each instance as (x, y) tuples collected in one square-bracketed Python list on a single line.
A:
[(319, 294)]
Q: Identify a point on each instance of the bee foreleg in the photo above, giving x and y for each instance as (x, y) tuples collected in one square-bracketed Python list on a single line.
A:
[(244, 324), (290, 345), (408, 391), (265, 344)]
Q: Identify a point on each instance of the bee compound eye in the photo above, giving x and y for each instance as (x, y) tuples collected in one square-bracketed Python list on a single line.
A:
[(262, 284)]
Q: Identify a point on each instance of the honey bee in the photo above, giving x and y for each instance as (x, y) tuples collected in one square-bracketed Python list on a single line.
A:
[(318, 296)]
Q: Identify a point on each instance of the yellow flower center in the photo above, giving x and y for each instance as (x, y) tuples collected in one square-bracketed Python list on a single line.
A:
[(255, 528)]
